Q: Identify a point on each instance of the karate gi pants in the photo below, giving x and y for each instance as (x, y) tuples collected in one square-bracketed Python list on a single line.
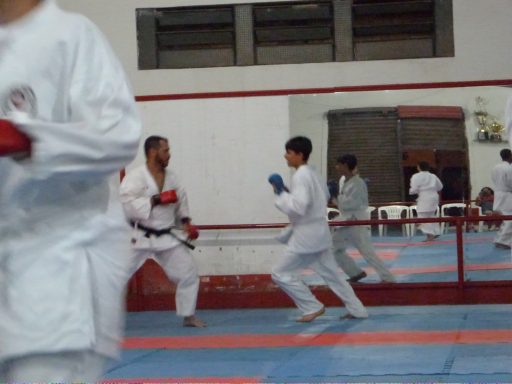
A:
[(359, 236), (504, 235), (61, 367), (429, 228), (287, 275), (180, 268)]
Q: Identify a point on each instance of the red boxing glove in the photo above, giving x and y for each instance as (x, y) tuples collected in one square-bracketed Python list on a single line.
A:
[(192, 232), (12, 140), (166, 197)]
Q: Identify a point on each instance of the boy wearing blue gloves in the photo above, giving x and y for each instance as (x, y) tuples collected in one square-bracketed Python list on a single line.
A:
[(309, 244)]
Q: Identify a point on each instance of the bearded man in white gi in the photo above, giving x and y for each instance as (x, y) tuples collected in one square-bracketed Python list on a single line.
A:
[(308, 237), (427, 186), (353, 205), (156, 203), (68, 125), (501, 176)]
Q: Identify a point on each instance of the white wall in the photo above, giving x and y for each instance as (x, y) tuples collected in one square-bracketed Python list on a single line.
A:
[(224, 148)]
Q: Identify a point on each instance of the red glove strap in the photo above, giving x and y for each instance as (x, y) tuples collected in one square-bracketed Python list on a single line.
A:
[(12, 140), (193, 232), (168, 197)]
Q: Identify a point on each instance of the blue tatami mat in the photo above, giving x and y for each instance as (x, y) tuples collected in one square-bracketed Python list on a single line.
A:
[(334, 361)]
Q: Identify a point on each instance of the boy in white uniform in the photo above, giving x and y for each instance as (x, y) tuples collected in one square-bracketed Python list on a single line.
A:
[(427, 186), (309, 242), (64, 247), (156, 204), (353, 205)]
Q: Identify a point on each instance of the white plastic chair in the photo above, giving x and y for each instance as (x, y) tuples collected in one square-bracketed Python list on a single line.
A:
[(444, 208), (393, 212), (414, 213)]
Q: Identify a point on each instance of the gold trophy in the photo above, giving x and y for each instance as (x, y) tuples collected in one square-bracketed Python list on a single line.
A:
[(496, 129)]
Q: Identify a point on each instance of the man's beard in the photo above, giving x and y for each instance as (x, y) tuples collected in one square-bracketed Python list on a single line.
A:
[(163, 163)]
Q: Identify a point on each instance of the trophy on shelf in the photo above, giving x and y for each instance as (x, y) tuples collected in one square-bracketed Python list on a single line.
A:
[(496, 129), (490, 129)]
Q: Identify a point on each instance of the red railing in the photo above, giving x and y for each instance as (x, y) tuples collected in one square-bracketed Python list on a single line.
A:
[(257, 291), (458, 222)]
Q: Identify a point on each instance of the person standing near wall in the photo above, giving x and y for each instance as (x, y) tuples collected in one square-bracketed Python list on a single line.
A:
[(156, 203), (427, 186), (68, 125), (501, 176), (353, 204), (309, 239)]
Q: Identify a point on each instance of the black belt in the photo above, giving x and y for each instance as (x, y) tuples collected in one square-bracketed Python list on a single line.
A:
[(151, 231)]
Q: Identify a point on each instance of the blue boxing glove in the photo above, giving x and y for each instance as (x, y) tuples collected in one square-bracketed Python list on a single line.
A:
[(277, 182)]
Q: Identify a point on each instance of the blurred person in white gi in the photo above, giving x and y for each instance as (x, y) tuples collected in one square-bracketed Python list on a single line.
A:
[(501, 176), (156, 204), (68, 125), (308, 237), (353, 205), (427, 186)]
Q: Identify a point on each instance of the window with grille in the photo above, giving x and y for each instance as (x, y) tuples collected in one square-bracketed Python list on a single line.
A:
[(393, 29), (293, 32), (186, 37)]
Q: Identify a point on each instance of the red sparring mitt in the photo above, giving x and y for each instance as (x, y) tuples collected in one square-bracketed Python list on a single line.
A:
[(166, 197), (192, 232), (12, 141)]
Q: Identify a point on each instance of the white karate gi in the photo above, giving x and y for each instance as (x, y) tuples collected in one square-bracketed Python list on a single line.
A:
[(353, 204), (309, 245), (64, 241), (427, 186), (136, 190), (501, 176)]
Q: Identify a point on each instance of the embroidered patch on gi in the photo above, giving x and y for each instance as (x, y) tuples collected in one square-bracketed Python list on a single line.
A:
[(21, 98)]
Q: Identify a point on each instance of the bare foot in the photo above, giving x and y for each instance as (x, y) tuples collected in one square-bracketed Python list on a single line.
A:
[(312, 316), (192, 321)]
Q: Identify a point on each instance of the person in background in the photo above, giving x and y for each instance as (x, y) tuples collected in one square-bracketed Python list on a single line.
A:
[(485, 200), (308, 237), (427, 186), (68, 125), (353, 204)]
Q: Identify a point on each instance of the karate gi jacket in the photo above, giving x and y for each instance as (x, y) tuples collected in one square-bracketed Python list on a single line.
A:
[(305, 206), (136, 190), (501, 176), (353, 199), (426, 185), (63, 235)]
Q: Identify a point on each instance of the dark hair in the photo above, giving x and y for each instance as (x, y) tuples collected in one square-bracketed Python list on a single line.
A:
[(300, 144), (489, 188), (506, 154), (349, 160), (153, 142), (424, 166)]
